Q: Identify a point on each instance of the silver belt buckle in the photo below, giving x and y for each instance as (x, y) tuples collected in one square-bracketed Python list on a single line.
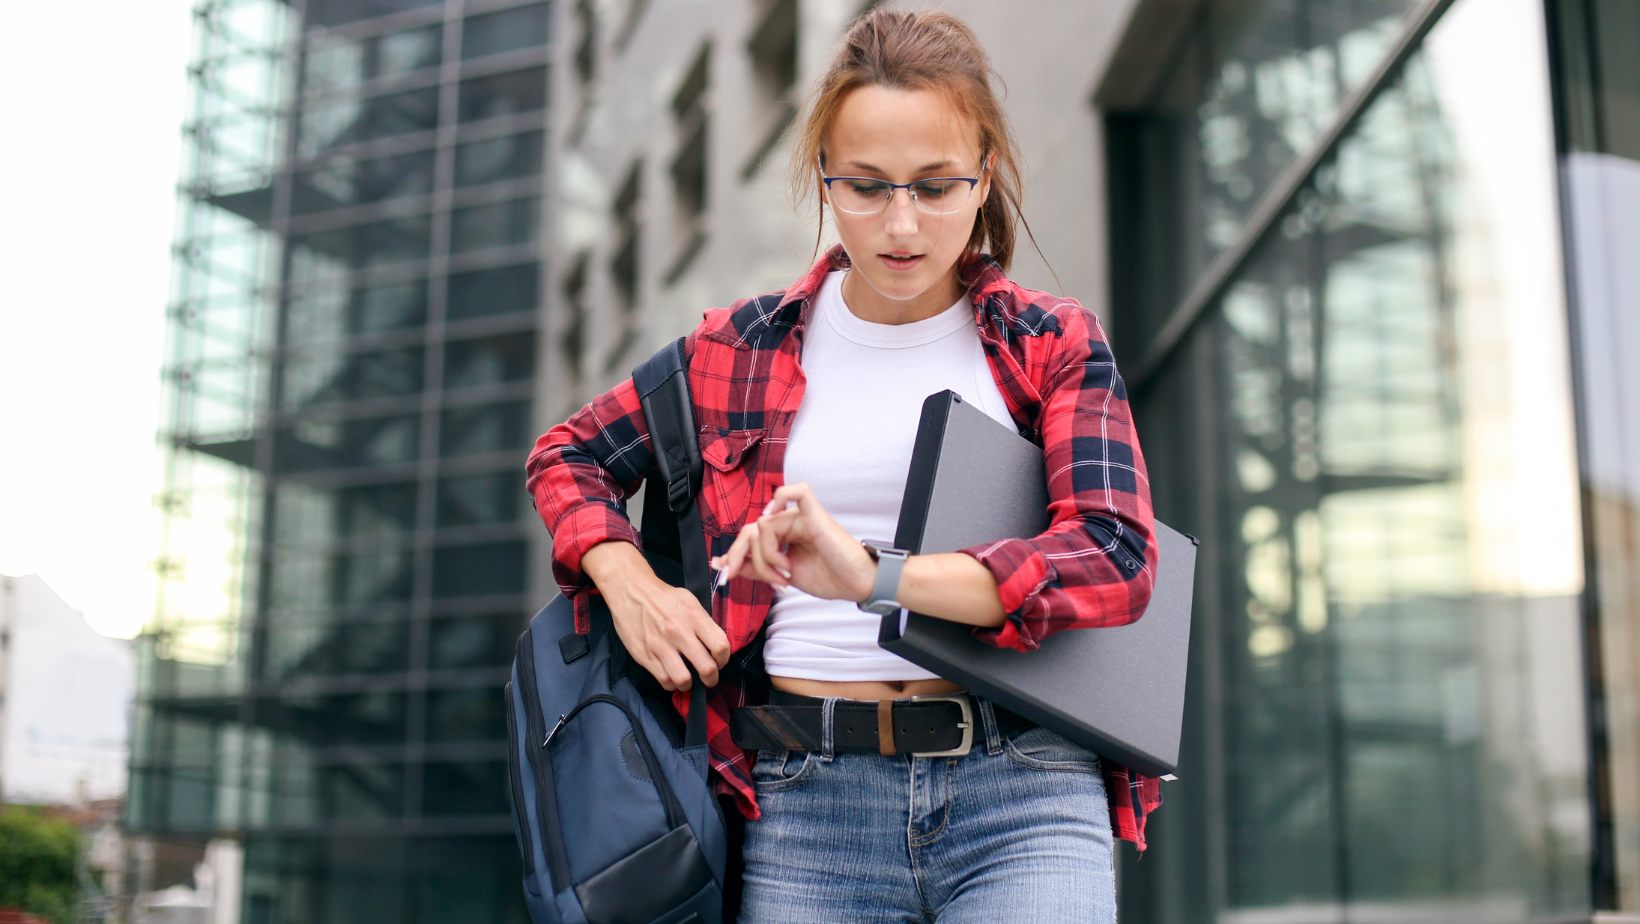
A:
[(967, 724)]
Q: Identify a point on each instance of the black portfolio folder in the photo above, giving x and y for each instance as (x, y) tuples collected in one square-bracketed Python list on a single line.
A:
[(1118, 691)]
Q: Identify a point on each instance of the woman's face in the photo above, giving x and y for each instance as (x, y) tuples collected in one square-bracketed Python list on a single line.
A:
[(906, 256)]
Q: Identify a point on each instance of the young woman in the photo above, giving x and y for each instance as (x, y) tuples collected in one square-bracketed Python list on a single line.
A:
[(807, 402)]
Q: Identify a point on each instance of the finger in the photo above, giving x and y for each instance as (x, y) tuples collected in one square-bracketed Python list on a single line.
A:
[(650, 663), (760, 566), (706, 630), (736, 556), (705, 665), (716, 641), (769, 541), (675, 672), (790, 494)]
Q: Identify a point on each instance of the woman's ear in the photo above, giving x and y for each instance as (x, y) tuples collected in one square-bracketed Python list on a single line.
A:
[(985, 178)]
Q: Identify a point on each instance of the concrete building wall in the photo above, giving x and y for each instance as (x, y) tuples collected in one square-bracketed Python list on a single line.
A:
[(620, 122)]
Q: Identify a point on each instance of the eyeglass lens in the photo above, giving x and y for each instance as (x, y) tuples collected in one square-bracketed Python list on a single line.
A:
[(938, 196)]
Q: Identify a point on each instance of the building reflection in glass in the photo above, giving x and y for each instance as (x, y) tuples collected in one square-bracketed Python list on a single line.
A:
[(1372, 430), (354, 364)]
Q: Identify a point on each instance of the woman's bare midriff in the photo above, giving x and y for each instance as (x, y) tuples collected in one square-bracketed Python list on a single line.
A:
[(866, 689)]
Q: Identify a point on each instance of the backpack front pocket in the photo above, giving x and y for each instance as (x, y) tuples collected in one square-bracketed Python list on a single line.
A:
[(627, 823)]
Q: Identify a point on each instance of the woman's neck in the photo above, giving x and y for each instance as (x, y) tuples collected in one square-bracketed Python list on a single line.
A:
[(868, 304)]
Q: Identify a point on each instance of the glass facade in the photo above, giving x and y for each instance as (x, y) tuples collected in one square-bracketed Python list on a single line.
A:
[(351, 366), (1370, 425), (1599, 144)]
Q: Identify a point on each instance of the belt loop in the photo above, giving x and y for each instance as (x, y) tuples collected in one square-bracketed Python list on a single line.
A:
[(885, 727), (988, 718), (828, 722)]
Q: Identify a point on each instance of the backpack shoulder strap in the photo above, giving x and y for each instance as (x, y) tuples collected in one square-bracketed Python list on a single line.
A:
[(662, 382)]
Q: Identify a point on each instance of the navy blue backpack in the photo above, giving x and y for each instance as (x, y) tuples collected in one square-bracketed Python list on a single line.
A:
[(615, 819)]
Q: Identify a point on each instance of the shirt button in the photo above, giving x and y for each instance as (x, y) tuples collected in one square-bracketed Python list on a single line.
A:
[(1130, 564)]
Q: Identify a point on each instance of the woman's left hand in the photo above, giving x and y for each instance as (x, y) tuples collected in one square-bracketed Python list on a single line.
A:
[(796, 543)]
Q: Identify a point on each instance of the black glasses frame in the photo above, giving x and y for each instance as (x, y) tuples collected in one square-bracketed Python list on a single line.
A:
[(972, 182)]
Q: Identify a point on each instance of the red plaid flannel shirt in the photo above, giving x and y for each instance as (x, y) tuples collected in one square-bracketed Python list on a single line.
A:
[(1093, 567)]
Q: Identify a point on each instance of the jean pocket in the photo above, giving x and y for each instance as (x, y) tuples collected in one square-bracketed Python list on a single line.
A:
[(1040, 749), (778, 770)]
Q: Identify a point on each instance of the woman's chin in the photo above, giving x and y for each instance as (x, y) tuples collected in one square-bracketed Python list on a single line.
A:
[(899, 286)]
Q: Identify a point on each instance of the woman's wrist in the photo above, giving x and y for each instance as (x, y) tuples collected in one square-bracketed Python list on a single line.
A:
[(864, 575)]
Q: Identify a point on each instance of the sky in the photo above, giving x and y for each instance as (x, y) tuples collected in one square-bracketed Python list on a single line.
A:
[(92, 99)]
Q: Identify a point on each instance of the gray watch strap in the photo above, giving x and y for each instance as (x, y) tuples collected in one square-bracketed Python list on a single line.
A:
[(882, 601)]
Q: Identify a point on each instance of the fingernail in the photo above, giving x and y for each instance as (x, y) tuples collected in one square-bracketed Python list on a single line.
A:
[(784, 573)]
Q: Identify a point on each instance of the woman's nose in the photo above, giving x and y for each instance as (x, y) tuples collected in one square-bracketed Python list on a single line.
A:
[(900, 219)]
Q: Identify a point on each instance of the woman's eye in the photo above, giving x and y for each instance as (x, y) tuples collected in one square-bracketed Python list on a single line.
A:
[(934, 189), (867, 189)]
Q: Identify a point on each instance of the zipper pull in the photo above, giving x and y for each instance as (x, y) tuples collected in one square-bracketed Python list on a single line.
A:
[(560, 724)]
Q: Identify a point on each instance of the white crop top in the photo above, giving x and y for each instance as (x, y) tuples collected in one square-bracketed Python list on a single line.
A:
[(851, 442)]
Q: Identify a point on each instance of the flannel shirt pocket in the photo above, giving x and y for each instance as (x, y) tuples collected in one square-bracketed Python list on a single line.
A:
[(727, 491)]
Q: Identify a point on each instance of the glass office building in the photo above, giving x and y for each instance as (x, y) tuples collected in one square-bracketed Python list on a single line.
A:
[(1368, 376), (350, 373)]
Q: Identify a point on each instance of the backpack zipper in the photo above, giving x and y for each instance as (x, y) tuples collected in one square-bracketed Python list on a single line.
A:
[(546, 792), (514, 773)]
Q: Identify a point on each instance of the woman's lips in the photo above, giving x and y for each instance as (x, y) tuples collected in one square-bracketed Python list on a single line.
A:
[(900, 262)]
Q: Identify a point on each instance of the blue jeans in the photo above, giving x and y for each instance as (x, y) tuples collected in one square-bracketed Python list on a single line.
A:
[(1016, 830)]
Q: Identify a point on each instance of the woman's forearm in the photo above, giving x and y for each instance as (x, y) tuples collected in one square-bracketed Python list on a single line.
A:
[(951, 586)]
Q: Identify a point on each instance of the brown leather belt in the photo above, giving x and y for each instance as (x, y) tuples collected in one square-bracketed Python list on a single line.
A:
[(921, 726)]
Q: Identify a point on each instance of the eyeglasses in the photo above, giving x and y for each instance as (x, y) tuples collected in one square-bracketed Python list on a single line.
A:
[(860, 195)]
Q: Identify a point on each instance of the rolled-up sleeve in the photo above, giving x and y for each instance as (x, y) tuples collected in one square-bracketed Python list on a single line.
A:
[(1095, 565), (580, 474)]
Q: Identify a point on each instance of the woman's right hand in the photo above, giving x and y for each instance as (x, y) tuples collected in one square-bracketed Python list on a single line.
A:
[(660, 625)]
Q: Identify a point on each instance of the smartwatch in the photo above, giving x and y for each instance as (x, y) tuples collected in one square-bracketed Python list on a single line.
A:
[(889, 561)]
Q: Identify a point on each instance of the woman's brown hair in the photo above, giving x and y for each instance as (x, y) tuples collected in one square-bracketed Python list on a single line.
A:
[(924, 50)]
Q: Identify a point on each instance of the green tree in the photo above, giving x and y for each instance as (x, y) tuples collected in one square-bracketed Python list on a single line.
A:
[(37, 853)]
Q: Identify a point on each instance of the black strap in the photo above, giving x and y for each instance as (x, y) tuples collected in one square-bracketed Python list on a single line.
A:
[(662, 382)]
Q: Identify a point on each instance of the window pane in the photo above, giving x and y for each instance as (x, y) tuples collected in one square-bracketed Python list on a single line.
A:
[(503, 94), (329, 310), (317, 445), (468, 787), (329, 123), (339, 12), (507, 30), (306, 647), (481, 500), (309, 517), (361, 791), (492, 428), (494, 291), (320, 376), (474, 641), (489, 361), (350, 718), (504, 158), (335, 64), (478, 570), (476, 714), (346, 182), (376, 244), (503, 224)]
